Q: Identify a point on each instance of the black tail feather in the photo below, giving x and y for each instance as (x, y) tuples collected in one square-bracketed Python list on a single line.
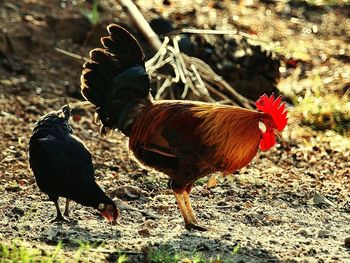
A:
[(114, 79), (123, 46)]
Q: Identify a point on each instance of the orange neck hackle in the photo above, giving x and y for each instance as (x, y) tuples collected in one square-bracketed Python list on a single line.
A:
[(233, 131)]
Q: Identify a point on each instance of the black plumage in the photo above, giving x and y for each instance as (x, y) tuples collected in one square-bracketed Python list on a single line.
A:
[(62, 165), (119, 82)]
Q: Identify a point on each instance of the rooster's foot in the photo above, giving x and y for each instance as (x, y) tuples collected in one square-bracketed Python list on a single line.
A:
[(194, 226)]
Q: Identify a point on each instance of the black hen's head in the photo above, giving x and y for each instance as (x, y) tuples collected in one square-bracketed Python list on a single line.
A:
[(109, 210), (55, 122)]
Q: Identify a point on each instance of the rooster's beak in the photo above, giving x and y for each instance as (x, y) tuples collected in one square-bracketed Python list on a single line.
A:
[(278, 134)]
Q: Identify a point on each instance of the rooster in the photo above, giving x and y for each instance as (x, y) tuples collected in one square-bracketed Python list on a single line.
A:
[(186, 140), (62, 166)]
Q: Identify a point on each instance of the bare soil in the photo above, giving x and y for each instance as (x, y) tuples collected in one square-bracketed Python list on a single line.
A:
[(290, 204)]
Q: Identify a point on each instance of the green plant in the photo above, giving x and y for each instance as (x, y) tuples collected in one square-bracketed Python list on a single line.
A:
[(122, 258), (327, 112), (82, 250), (56, 252), (93, 15), (16, 251), (235, 250), (168, 255), (327, 2)]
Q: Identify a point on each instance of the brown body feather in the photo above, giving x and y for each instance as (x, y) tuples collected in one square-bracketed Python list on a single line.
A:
[(188, 140)]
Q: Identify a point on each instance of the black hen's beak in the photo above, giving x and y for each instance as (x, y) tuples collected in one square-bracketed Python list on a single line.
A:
[(109, 211), (112, 219)]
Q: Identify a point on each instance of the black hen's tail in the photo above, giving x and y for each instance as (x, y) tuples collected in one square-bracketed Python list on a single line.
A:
[(115, 79)]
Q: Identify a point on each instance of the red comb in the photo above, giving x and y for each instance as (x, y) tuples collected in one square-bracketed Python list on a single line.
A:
[(274, 108)]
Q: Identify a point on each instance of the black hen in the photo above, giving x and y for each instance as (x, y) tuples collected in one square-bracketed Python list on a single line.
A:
[(63, 167)]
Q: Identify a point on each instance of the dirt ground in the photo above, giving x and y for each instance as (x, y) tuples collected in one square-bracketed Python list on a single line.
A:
[(290, 204)]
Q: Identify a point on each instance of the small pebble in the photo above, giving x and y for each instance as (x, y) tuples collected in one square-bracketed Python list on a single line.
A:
[(347, 242), (13, 188), (323, 234), (248, 204), (144, 232), (312, 252), (222, 203), (284, 206), (17, 211), (303, 233)]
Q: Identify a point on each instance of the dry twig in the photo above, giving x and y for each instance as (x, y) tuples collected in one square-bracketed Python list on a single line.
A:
[(199, 81)]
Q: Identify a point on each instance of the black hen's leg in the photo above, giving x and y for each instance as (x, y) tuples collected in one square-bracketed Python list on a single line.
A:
[(59, 217), (66, 210)]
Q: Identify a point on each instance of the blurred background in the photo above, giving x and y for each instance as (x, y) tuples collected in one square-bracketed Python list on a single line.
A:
[(296, 48)]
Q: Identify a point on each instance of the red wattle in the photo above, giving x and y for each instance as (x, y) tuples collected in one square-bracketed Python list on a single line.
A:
[(267, 140)]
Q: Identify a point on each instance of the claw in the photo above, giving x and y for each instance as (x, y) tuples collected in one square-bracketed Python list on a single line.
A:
[(59, 219), (194, 226), (183, 201)]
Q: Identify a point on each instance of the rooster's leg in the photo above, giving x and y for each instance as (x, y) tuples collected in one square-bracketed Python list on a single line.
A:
[(66, 210), (186, 196), (182, 207), (189, 223)]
